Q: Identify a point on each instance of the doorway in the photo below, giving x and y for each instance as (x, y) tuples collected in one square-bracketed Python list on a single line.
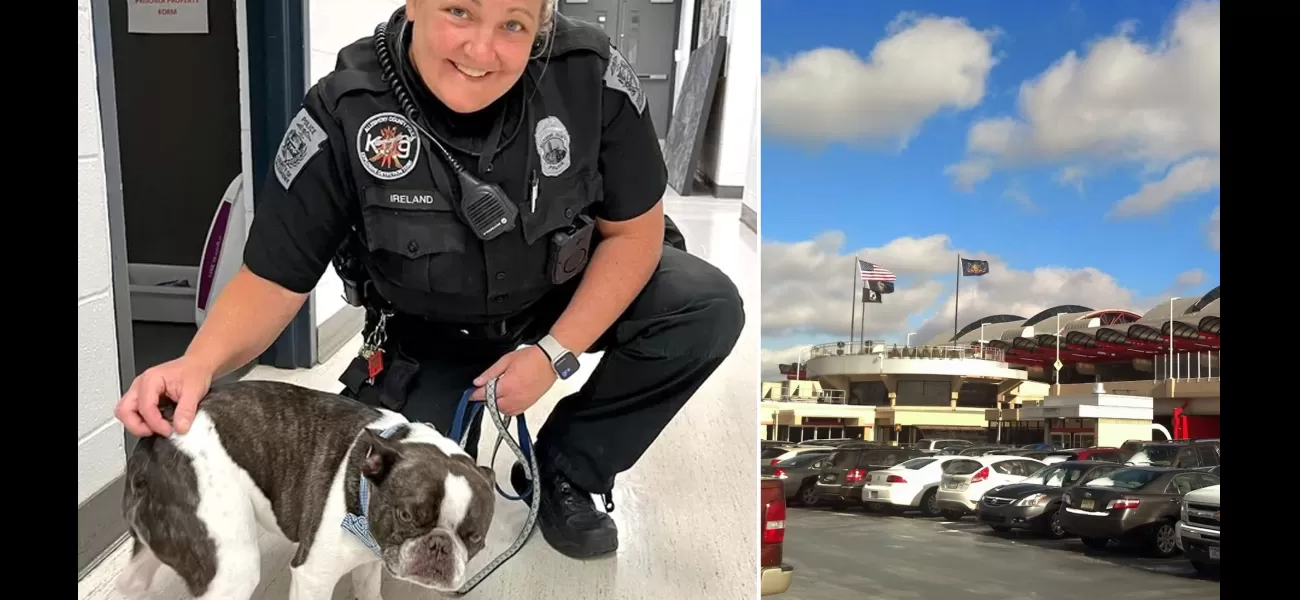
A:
[(645, 32)]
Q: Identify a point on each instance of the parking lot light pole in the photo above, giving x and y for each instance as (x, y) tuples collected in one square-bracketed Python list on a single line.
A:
[(1169, 364)]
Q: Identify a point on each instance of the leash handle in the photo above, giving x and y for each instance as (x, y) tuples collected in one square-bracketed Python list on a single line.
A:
[(523, 450), (467, 410)]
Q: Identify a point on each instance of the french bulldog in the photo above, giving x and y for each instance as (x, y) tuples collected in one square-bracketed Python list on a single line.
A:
[(295, 462)]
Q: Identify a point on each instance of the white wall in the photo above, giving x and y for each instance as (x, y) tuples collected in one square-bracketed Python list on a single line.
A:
[(753, 180), (740, 102), (332, 25), (101, 456)]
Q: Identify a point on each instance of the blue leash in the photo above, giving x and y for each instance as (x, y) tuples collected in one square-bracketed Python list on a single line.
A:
[(460, 432)]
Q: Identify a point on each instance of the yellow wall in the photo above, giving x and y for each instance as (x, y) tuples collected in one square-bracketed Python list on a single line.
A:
[(1114, 432), (969, 417)]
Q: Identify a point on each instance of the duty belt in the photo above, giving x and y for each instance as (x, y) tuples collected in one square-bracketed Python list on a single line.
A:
[(466, 411)]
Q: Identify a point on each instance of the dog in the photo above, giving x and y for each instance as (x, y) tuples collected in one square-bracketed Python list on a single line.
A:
[(296, 462)]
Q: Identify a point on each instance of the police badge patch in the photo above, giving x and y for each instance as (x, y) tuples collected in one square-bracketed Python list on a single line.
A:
[(388, 146), (302, 140), (620, 76), (552, 139)]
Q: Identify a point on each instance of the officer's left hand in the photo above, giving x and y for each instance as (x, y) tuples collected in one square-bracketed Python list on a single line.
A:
[(526, 374)]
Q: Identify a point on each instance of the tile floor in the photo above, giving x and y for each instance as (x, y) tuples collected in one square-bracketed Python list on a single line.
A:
[(687, 513)]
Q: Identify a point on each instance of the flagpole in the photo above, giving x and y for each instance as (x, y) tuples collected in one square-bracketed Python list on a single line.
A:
[(956, 308), (853, 310)]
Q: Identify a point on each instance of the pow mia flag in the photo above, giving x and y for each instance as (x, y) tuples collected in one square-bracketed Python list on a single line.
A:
[(870, 296), (881, 287), (974, 268)]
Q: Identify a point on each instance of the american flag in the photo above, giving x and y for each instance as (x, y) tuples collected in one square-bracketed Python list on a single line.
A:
[(873, 272)]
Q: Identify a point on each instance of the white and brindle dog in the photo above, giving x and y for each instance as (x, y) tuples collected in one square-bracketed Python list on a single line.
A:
[(358, 489)]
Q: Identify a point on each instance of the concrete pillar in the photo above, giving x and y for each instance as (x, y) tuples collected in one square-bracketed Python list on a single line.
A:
[(893, 399), (953, 401)]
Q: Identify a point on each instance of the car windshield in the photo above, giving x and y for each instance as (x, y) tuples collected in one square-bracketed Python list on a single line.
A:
[(1055, 475), (1160, 456), (916, 463), (774, 452), (1129, 479), (845, 458), (961, 467)]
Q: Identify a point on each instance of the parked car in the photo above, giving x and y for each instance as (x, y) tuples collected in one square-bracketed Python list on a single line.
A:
[(1140, 504), (849, 465), (1034, 454), (910, 485), (1102, 453), (981, 450), (774, 574), (933, 446), (831, 442), (1034, 503), (799, 475), (767, 453), (1198, 529), (965, 480), (1186, 455), (795, 451)]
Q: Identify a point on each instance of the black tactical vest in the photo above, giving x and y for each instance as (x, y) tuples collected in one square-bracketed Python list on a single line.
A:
[(421, 257)]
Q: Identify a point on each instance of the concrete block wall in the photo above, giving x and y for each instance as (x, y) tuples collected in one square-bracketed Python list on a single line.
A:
[(100, 453)]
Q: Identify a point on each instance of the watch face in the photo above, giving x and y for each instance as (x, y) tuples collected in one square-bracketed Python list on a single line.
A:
[(566, 365)]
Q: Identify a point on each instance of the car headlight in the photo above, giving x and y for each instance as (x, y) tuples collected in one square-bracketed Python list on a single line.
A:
[(1032, 500), (1182, 512)]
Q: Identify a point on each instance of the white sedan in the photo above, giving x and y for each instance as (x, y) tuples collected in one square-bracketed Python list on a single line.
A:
[(910, 485), (966, 480)]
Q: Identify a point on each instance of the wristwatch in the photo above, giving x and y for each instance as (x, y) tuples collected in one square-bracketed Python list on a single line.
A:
[(563, 361)]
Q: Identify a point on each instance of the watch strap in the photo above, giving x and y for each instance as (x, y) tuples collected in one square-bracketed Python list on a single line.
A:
[(552, 348)]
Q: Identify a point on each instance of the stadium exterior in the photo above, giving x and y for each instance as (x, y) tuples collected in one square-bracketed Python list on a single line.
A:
[(990, 380)]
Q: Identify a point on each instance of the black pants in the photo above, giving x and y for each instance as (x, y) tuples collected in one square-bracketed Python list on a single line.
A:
[(671, 338)]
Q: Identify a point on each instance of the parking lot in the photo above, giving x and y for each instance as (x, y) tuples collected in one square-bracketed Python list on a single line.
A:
[(852, 554)]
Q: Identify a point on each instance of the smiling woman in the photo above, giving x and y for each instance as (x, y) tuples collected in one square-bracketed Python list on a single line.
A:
[(469, 53)]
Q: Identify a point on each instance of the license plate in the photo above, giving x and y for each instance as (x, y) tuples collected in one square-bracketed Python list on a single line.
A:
[(1214, 553), (1087, 504), (949, 485), (874, 494)]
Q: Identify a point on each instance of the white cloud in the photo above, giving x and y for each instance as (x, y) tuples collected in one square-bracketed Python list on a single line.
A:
[(1123, 101), (1212, 230), (771, 358), (828, 94), (807, 286)]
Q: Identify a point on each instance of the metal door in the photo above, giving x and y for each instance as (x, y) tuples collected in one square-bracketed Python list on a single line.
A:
[(645, 31)]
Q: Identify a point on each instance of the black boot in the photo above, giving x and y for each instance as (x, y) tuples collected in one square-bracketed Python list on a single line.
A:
[(568, 518)]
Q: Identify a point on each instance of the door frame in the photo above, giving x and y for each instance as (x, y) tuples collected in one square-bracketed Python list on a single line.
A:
[(277, 62)]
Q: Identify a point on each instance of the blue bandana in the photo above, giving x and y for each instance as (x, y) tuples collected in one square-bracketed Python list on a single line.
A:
[(359, 525)]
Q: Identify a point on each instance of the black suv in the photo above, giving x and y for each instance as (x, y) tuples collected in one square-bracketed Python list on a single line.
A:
[(848, 469)]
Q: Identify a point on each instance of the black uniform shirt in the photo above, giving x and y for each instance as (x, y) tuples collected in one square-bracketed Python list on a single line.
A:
[(314, 198)]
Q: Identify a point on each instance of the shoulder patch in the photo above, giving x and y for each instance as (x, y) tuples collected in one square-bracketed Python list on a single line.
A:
[(301, 142), (620, 76)]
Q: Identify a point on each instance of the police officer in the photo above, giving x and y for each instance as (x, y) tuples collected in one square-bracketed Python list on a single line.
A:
[(487, 180)]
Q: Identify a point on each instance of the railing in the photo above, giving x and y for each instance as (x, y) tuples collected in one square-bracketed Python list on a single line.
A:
[(1187, 366), (826, 397), (932, 352)]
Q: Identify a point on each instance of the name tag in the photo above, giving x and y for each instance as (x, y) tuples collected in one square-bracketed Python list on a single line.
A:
[(406, 199)]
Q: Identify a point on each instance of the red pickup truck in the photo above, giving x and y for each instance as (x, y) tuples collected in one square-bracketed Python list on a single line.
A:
[(774, 575)]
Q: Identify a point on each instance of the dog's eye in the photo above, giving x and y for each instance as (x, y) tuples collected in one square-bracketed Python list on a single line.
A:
[(403, 515)]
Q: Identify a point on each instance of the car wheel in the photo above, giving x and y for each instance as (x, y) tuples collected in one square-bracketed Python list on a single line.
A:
[(1164, 540), (930, 504), (1094, 543), (951, 515), (1052, 528), (808, 495)]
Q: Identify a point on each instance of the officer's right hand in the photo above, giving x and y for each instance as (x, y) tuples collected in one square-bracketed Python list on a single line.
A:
[(182, 380)]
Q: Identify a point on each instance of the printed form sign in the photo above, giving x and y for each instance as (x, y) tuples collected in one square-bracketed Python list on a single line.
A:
[(167, 16)]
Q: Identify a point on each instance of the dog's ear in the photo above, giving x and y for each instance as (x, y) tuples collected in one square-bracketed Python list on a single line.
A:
[(488, 473), (382, 455)]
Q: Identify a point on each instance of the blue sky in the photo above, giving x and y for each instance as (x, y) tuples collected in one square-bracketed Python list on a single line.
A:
[(1027, 213)]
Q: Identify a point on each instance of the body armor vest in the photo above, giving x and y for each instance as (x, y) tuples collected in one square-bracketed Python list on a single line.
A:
[(422, 258)]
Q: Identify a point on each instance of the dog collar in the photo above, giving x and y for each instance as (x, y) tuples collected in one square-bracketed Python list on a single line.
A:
[(359, 525)]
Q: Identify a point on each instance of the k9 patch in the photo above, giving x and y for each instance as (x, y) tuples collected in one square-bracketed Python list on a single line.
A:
[(388, 146), (302, 140), (619, 75)]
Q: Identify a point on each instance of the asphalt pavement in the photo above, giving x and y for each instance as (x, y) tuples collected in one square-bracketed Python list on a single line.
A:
[(854, 555)]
